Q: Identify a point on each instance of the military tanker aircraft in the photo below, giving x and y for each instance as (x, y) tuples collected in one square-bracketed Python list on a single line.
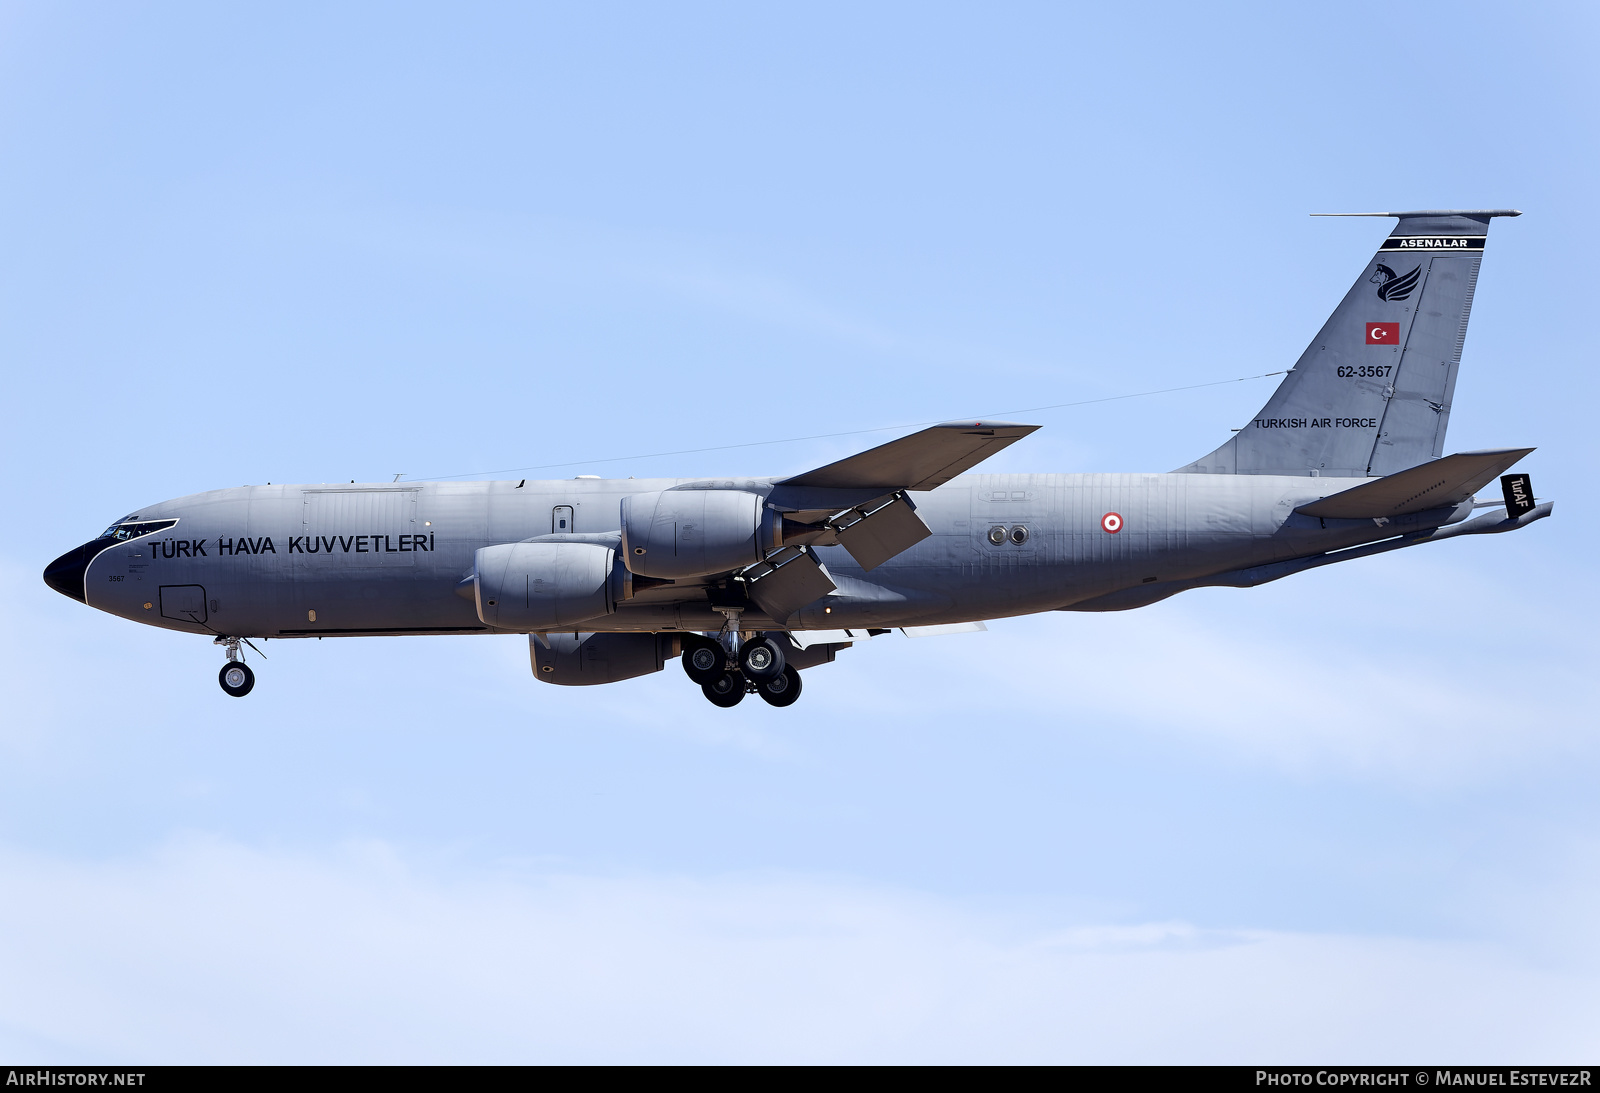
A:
[(750, 580)]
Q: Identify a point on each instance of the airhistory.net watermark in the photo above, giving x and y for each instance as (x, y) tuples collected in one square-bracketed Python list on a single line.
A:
[(74, 1077), (210, 1076)]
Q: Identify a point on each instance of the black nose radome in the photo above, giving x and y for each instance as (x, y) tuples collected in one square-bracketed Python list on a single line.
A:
[(65, 574)]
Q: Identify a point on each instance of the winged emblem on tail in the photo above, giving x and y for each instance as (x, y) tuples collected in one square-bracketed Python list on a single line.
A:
[(1393, 287)]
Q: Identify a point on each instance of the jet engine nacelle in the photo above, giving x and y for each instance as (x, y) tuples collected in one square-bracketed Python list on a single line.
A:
[(675, 534), (584, 660), (546, 586)]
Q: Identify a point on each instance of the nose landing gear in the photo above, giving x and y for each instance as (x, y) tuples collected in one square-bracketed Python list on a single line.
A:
[(235, 677)]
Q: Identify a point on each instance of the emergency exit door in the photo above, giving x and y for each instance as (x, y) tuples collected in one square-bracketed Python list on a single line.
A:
[(561, 520)]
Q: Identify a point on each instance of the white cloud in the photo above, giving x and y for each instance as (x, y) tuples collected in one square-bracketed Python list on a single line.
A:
[(213, 951), (217, 949)]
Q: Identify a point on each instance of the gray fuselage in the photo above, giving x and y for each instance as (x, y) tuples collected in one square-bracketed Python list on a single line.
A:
[(282, 561)]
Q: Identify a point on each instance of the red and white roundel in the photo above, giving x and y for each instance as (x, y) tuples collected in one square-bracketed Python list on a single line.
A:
[(1111, 522)]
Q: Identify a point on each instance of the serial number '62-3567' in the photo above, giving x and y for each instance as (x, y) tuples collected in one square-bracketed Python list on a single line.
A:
[(1364, 371)]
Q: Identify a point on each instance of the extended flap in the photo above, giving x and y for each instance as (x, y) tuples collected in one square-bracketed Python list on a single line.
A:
[(922, 461), (884, 533), (789, 581), (1447, 481)]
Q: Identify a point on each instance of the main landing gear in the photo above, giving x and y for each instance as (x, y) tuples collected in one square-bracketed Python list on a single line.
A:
[(726, 674), (236, 677)]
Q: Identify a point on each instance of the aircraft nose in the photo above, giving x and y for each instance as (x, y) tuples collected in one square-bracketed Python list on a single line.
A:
[(65, 574)]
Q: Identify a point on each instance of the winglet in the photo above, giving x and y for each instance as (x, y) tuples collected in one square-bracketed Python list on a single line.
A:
[(924, 460)]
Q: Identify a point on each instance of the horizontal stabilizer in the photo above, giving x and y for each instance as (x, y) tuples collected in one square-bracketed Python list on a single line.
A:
[(1447, 481), (922, 461), (1433, 214)]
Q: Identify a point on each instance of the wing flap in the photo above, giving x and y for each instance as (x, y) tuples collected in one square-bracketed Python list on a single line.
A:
[(1447, 481), (924, 460), (788, 581), (884, 533)]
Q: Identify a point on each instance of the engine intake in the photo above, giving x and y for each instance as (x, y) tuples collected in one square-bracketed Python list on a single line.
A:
[(546, 586)]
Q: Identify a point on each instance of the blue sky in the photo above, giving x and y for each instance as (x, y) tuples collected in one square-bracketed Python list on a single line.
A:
[(1346, 817)]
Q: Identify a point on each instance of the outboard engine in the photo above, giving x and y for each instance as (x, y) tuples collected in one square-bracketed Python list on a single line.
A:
[(584, 660), (547, 586)]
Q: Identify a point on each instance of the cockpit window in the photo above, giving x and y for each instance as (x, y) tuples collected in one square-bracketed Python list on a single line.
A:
[(133, 529)]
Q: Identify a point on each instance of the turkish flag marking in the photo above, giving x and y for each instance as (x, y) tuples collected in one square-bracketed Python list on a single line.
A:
[(1383, 333)]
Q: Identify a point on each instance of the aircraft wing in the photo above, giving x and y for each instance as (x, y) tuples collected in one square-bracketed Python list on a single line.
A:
[(860, 503), (1447, 481), (924, 460)]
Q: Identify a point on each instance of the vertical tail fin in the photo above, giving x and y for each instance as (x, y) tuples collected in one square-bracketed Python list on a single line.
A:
[(1371, 394)]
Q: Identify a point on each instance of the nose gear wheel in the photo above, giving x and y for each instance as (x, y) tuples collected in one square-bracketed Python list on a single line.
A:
[(236, 678)]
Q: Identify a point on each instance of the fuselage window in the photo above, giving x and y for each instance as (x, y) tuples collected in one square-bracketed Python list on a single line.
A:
[(119, 532)]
